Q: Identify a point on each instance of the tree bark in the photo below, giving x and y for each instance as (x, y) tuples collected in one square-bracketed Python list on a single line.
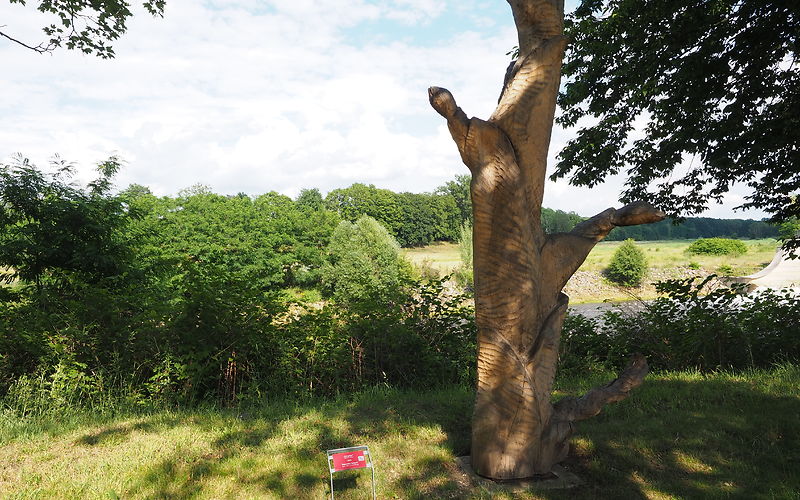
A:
[(519, 270)]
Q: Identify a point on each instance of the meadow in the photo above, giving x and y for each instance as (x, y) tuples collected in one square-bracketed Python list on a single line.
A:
[(681, 435), (667, 259), (666, 254)]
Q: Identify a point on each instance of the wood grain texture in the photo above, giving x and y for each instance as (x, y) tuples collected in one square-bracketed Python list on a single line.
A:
[(519, 270)]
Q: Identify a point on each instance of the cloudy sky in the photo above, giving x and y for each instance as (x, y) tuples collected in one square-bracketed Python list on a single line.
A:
[(260, 95)]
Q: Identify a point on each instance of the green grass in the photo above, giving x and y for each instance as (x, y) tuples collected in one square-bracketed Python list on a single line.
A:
[(442, 256), (681, 435), (672, 253), (666, 259)]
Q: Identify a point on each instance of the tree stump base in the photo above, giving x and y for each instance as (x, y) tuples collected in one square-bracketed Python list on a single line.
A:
[(559, 479)]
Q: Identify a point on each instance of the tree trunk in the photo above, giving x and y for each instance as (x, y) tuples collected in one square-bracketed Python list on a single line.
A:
[(519, 270)]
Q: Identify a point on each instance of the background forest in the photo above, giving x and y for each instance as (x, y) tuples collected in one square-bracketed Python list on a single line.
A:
[(202, 296)]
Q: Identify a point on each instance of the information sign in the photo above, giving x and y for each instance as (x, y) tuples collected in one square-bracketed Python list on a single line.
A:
[(357, 457), (349, 460)]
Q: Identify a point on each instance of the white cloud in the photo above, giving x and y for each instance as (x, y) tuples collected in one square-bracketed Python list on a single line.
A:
[(256, 96)]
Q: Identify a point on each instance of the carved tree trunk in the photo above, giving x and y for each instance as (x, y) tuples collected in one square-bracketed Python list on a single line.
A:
[(519, 270)]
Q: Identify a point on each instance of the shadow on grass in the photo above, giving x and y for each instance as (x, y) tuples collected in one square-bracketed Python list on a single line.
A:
[(118, 433), (673, 437), (690, 439)]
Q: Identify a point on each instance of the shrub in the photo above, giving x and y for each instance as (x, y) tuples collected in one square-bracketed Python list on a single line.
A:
[(717, 246), (691, 328), (464, 275), (364, 264), (465, 244), (628, 265), (725, 270), (425, 270)]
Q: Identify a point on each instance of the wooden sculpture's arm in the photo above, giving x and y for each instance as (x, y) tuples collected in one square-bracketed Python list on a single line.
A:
[(563, 253), (576, 409), (445, 104)]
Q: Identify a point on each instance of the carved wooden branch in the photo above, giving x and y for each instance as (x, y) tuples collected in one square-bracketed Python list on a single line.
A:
[(570, 410), (564, 253), (443, 102), (590, 404)]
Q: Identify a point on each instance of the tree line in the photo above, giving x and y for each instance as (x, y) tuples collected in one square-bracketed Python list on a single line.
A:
[(420, 219)]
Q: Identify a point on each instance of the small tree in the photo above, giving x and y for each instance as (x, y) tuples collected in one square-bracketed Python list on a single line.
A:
[(628, 265), (364, 263), (47, 224)]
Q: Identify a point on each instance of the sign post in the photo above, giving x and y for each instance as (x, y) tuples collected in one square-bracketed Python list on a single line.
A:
[(357, 457)]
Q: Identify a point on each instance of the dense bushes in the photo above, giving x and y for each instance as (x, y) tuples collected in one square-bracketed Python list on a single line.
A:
[(717, 246), (628, 265), (227, 342), (687, 329), (195, 305)]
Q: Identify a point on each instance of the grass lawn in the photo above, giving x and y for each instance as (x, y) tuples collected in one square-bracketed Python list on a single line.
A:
[(681, 435), (442, 256)]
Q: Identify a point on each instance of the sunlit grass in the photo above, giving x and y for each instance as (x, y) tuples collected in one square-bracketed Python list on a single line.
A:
[(666, 260), (660, 255), (442, 256), (681, 435), (671, 254)]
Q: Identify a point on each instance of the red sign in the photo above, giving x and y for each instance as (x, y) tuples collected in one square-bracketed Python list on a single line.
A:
[(349, 460)]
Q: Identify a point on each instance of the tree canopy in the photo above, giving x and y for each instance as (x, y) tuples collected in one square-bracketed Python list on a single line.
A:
[(86, 25), (688, 98)]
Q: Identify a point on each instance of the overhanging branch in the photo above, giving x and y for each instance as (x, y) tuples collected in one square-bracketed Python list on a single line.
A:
[(41, 49)]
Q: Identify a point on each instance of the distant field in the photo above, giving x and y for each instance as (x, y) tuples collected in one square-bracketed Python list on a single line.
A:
[(672, 253), (442, 256), (660, 254)]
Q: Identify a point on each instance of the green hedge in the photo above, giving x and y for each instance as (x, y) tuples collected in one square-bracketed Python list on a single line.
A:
[(717, 246), (688, 329)]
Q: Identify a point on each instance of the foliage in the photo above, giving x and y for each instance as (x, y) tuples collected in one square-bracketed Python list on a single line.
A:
[(413, 219), (692, 327), (789, 229), (717, 85), (558, 221), (426, 340), (359, 199), (464, 274), (695, 227), (459, 190), (717, 246), (310, 199), (426, 218), (628, 266), (85, 25), (364, 264), (49, 226), (465, 245)]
